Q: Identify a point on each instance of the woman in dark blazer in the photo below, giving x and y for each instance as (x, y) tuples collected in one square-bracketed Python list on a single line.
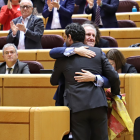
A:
[(118, 61)]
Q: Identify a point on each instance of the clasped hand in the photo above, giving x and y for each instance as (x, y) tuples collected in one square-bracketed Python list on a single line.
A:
[(18, 26), (52, 4)]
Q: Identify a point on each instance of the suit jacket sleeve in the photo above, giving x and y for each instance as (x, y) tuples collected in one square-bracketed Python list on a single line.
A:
[(58, 52), (46, 12), (88, 10), (111, 7), (25, 69), (68, 10), (37, 33), (111, 75), (10, 38), (57, 73)]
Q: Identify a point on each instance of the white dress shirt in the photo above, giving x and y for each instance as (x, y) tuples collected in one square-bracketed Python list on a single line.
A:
[(21, 45), (11, 72), (55, 20)]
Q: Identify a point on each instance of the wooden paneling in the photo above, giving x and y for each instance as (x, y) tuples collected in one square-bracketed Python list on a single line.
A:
[(14, 131), (28, 96)]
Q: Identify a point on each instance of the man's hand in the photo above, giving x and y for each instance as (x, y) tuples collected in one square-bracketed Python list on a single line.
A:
[(55, 4), (49, 2), (90, 2), (14, 28), (9, 5), (21, 26), (86, 76), (83, 51)]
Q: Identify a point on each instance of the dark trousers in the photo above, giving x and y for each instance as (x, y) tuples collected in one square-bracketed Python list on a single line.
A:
[(90, 124)]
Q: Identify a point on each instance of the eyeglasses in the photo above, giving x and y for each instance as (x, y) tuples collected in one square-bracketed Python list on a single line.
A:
[(25, 6)]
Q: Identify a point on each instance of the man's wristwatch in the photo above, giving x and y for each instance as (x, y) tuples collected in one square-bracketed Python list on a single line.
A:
[(95, 79)]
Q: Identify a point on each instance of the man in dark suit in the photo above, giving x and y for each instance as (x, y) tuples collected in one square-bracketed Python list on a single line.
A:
[(87, 102), (59, 13), (107, 11), (26, 31), (12, 65)]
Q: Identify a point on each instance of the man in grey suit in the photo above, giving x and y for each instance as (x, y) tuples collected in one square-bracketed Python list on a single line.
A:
[(12, 65), (26, 31), (86, 101)]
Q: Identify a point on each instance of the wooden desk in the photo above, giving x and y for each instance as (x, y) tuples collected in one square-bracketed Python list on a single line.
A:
[(34, 123)]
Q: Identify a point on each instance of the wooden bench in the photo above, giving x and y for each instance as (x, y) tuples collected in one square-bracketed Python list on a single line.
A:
[(34, 123)]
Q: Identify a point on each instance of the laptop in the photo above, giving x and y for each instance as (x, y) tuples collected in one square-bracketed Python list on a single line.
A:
[(46, 71)]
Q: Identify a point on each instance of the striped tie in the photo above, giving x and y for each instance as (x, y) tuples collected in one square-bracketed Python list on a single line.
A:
[(97, 16)]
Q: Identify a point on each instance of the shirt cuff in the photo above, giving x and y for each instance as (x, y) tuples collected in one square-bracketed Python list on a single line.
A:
[(49, 9), (99, 82), (90, 7), (13, 35), (120, 96), (69, 51)]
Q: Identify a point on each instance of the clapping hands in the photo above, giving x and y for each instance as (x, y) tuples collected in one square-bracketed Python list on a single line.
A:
[(18, 26), (52, 4)]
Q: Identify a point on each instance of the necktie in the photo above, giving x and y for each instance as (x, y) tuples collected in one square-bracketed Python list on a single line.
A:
[(97, 16), (9, 70)]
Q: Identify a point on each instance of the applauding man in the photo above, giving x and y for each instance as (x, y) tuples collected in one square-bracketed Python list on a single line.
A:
[(59, 13), (9, 12), (103, 12), (27, 30)]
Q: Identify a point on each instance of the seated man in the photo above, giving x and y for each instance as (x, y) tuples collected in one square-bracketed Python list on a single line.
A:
[(27, 30), (12, 65), (9, 12)]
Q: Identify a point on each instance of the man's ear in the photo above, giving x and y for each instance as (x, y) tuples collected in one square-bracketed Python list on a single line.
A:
[(70, 39)]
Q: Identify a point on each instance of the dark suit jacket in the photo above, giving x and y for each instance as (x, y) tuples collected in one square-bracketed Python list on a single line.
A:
[(5, 1), (102, 43), (20, 68), (128, 68), (107, 12), (65, 12), (35, 29), (81, 4), (39, 4), (84, 95)]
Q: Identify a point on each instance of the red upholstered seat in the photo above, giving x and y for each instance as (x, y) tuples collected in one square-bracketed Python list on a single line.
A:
[(112, 41), (52, 41), (135, 61), (34, 66), (127, 5), (126, 23)]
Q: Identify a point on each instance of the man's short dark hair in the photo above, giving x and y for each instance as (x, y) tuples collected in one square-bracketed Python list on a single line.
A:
[(76, 31)]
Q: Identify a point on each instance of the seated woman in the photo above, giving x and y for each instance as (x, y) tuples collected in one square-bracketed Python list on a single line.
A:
[(118, 61)]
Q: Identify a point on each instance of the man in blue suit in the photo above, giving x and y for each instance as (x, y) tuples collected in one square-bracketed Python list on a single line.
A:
[(108, 9), (59, 13)]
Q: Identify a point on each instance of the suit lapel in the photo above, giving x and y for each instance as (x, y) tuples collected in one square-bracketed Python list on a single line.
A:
[(30, 21), (19, 21), (15, 71)]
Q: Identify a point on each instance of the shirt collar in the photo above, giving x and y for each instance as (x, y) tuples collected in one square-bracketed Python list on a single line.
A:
[(11, 67)]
